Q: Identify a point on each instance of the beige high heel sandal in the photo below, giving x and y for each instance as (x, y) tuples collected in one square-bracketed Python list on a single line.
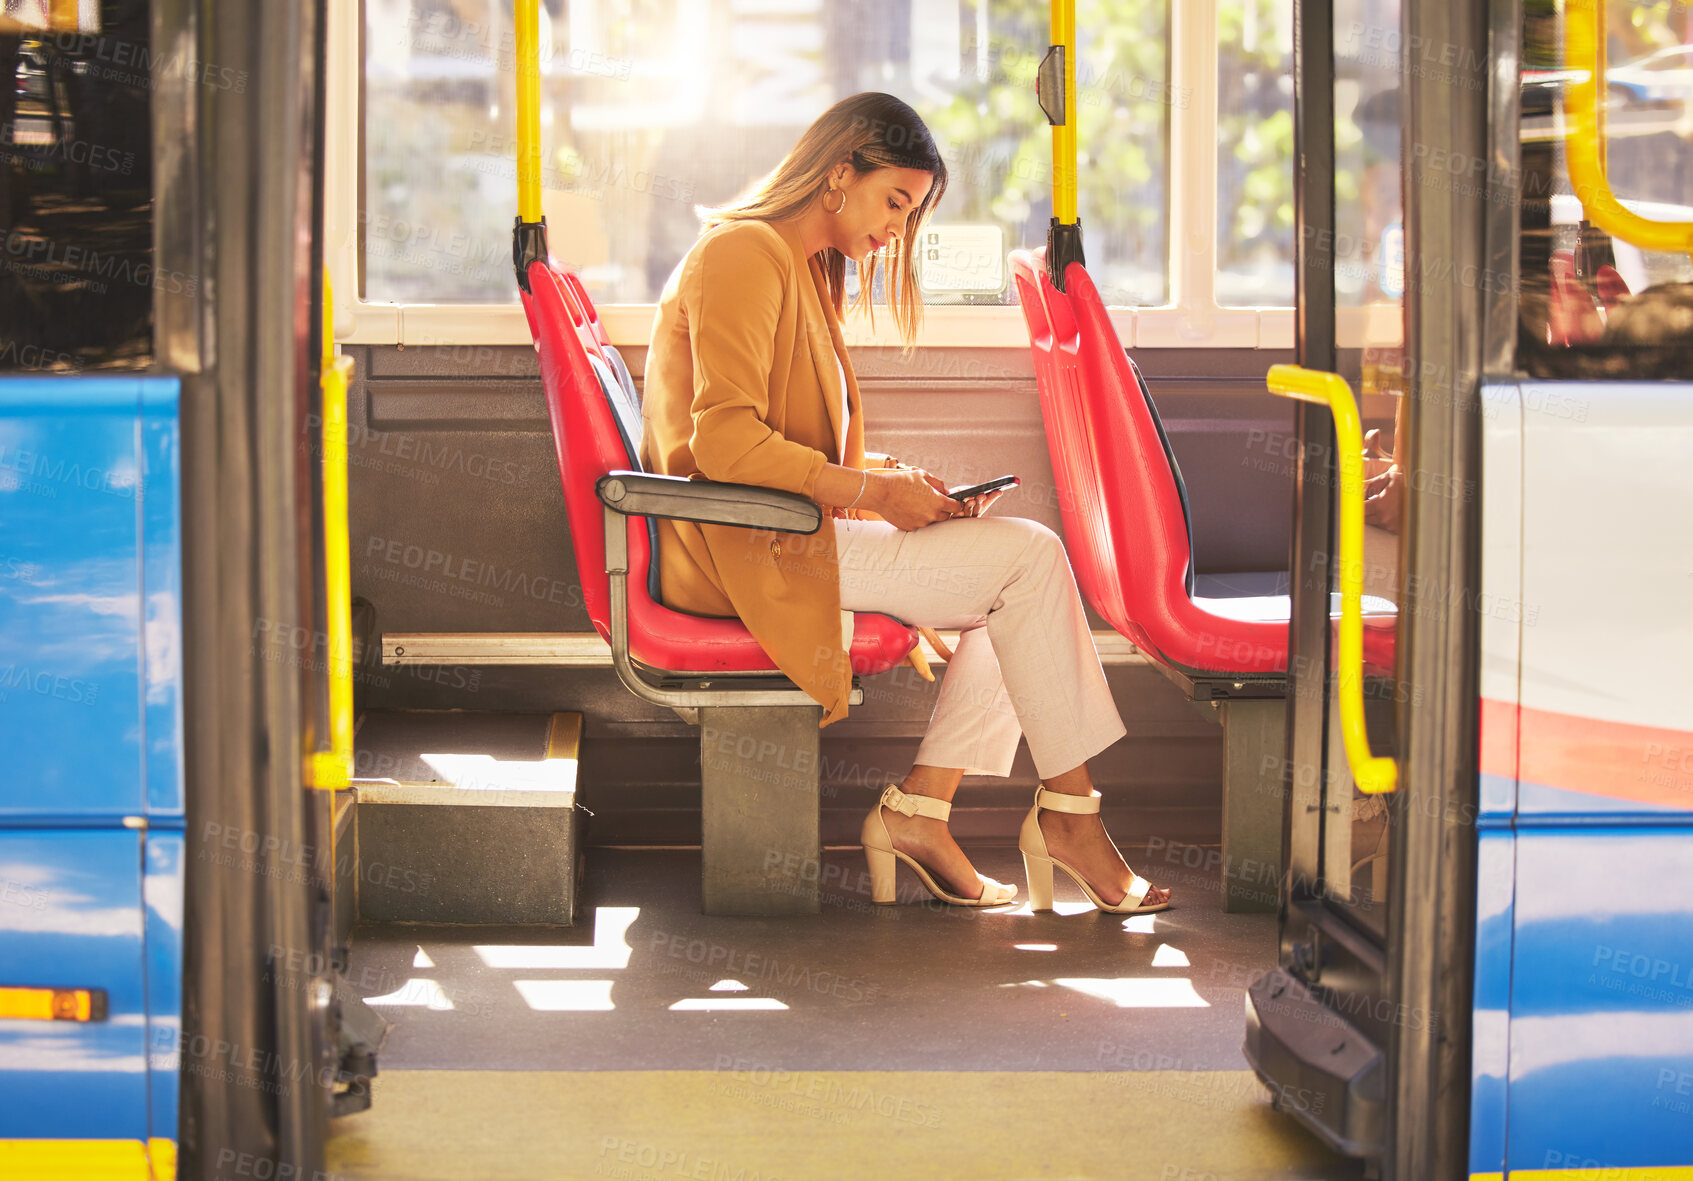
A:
[(880, 853), (1038, 861)]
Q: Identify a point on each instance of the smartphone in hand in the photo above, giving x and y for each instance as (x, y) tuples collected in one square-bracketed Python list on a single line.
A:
[(994, 485)]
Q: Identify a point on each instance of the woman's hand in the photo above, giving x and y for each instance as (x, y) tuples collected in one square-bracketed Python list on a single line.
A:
[(1384, 499), (975, 506), (910, 498), (978, 505), (1377, 459)]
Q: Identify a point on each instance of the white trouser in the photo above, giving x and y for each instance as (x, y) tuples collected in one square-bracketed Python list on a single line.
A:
[(1025, 663)]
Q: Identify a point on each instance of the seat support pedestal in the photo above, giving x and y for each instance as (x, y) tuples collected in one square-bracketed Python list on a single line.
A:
[(1254, 742), (761, 849)]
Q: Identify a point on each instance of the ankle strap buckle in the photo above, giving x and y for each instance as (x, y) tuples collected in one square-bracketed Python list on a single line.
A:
[(899, 802), (910, 805)]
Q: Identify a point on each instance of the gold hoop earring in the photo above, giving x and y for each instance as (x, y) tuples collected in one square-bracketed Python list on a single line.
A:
[(837, 208)]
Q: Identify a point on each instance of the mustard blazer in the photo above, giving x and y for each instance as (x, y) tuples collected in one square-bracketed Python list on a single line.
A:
[(741, 387)]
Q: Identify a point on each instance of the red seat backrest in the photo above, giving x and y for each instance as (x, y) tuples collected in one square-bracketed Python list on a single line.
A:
[(596, 421), (1118, 497), (590, 438)]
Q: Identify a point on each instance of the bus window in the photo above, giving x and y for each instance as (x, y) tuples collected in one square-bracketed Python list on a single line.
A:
[(644, 120), (1591, 302), (1254, 153), (77, 279)]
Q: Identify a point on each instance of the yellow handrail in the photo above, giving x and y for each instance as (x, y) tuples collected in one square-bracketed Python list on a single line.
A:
[(332, 769), (528, 110), (1372, 773), (1584, 146), (1064, 134)]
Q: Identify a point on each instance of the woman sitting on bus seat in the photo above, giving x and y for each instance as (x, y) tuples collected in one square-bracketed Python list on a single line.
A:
[(747, 381)]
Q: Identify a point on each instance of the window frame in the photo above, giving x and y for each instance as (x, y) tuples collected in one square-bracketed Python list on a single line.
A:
[(1191, 318)]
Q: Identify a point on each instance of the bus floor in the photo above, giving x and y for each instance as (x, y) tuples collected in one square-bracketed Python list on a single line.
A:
[(653, 1043)]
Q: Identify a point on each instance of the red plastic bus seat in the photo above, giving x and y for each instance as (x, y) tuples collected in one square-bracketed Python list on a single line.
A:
[(1121, 501), (596, 421)]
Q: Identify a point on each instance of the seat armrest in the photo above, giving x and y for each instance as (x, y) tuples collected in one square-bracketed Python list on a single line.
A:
[(708, 502)]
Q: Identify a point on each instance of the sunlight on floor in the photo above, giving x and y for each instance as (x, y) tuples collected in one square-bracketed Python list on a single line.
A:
[(566, 996), (1139, 992), (1061, 907), (714, 1004), (498, 777), (417, 992), (610, 949)]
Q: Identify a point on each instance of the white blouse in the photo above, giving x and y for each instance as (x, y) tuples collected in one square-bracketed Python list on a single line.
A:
[(846, 413), (846, 408)]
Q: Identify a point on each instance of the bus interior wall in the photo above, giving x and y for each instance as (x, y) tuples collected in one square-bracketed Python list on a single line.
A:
[(457, 525)]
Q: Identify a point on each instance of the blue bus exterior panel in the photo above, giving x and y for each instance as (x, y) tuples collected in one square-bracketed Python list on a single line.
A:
[(92, 804), (159, 448), (1601, 981), (1602, 1000), (163, 884), (1490, 1023), (90, 621), (71, 917)]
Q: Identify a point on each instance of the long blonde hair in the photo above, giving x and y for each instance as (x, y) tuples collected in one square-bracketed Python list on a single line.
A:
[(872, 130)]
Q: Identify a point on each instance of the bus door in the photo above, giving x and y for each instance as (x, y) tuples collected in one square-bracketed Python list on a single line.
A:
[(1361, 1030)]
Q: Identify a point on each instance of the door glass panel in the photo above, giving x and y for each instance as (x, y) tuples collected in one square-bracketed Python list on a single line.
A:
[(77, 278), (1598, 302), (1369, 278)]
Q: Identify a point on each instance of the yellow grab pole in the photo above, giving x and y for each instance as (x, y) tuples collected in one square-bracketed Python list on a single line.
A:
[(1584, 147), (1055, 88), (332, 770), (529, 110), (1372, 773), (1064, 133)]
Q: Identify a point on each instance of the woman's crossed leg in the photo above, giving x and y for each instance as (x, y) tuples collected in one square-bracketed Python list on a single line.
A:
[(1025, 667)]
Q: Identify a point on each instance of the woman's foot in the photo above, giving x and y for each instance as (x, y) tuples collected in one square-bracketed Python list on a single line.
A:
[(912, 827), (1081, 842), (930, 844)]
